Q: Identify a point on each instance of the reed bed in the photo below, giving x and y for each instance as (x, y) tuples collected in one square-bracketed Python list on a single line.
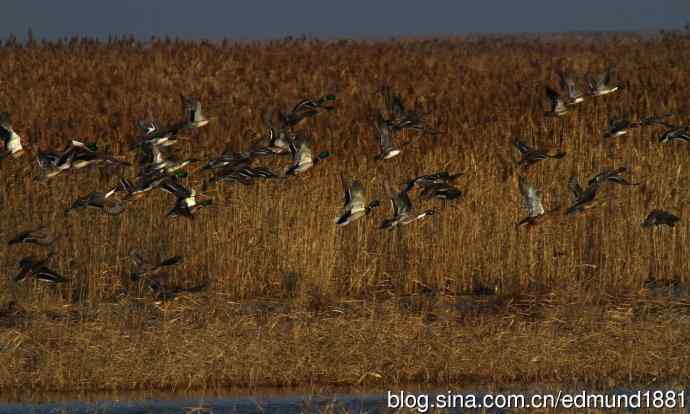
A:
[(292, 298)]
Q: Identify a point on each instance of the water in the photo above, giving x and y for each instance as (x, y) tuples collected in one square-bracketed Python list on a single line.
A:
[(259, 400), (298, 400), (353, 404)]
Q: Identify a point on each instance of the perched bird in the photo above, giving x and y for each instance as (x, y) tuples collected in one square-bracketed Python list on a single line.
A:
[(569, 83), (35, 236), (675, 134), (556, 103), (11, 140), (355, 205), (613, 176), (602, 84), (532, 155), (531, 201), (31, 267), (100, 200), (403, 212), (582, 199), (302, 158), (659, 217)]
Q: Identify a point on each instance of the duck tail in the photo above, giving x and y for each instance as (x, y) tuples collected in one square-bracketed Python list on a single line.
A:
[(342, 219)]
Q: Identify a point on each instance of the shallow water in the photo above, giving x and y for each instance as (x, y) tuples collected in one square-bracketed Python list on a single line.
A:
[(299, 404), (263, 400), (258, 400)]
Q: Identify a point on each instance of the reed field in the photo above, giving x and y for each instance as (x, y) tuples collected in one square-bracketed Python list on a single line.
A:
[(464, 296)]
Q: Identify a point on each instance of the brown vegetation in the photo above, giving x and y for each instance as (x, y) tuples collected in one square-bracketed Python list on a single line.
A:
[(294, 299)]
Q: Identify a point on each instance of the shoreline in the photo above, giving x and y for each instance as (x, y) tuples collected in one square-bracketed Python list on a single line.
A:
[(378, 344)]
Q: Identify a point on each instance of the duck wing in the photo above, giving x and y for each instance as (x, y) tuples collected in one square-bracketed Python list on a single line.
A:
[(346, 191), (574, 187), (555, 102), (531, 199), (357, 197)]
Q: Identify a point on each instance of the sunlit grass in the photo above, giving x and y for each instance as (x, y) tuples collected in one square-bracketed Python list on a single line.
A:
[(292, 298)]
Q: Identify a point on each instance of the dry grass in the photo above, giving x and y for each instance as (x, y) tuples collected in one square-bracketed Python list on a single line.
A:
[(295, 300)]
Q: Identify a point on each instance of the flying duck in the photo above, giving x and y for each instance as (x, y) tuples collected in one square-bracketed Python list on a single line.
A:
[(355, 205), (556, 103), (532, 155), (36, 236), (675, 133), (386, 131), (531, 200), (192, 109), (302, 158), (97, 199), (441, 177), (568, 83), (582, 199), (659, 217), (403, 212), (31, 267), (307, 108), (402, 118), (619, 126), (613, 176), (11, 140), (146, 268), (602, 85)]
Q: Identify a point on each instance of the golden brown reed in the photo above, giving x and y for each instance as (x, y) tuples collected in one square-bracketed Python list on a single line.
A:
[(295, 300)]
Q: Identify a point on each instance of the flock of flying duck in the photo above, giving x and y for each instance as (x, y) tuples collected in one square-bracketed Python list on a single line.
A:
[(160, 168), (560, 103)]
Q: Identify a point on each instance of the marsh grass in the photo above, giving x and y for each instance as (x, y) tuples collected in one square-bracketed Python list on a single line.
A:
[(295, 300)]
